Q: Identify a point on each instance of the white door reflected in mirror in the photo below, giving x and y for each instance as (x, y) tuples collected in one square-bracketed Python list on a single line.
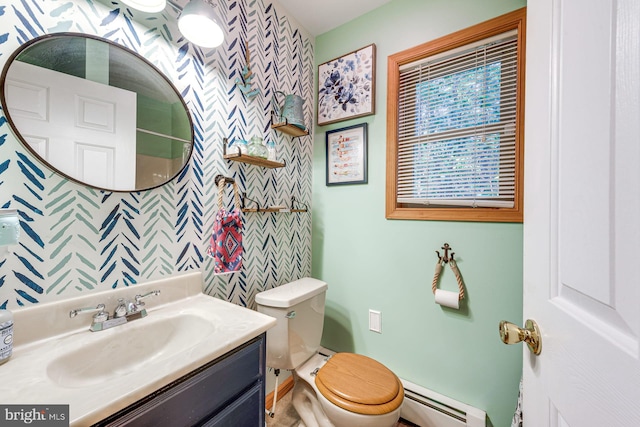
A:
[(81, 137)]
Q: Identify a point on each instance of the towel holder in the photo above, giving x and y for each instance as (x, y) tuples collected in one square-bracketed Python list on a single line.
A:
[(227, 180)]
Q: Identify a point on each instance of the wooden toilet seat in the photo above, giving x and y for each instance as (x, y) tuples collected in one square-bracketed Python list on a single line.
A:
[(359, 384)]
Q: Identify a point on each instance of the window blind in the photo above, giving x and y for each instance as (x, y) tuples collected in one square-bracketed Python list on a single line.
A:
[(457, 126)]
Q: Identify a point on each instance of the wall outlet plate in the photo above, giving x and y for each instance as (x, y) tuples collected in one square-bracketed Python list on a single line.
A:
[(375, 321)]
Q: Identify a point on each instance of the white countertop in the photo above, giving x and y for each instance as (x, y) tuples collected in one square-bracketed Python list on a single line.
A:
[(44, 335)]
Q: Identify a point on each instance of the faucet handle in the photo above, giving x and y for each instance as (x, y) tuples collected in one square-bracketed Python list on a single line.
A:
[(98, 318), (121, 309), (101, 316), (139, 297), (99, 307)]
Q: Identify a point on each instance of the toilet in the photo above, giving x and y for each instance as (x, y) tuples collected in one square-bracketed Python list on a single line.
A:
[(342, 390)]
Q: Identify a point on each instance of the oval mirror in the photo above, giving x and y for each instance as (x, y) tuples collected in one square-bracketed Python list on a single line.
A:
[(96, 112)]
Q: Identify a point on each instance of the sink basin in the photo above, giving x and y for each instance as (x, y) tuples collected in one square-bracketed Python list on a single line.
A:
[(100, 373), (124, 349)]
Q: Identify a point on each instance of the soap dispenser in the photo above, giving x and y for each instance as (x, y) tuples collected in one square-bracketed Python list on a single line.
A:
[(6, 335), (9, 234)]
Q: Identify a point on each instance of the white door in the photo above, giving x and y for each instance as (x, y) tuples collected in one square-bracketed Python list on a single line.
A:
[(85, 129), (582, 213)]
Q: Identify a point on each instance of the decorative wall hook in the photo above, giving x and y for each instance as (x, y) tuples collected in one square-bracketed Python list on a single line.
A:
[(446, 257), (244, 84)]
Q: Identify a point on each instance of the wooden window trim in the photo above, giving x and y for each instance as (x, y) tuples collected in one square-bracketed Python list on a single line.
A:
[(492, 27)]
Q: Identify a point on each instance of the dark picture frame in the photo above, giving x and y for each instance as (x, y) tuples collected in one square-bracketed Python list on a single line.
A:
[(346, 155), (347, 86)]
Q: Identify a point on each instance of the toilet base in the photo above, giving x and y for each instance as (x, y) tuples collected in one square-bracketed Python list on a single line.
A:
[(316, 411)]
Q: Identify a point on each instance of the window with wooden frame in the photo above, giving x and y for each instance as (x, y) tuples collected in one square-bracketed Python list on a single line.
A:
[(455, 114)]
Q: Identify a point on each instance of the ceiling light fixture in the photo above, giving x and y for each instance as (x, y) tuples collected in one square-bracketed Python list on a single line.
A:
[(150, 6), (199, 24)]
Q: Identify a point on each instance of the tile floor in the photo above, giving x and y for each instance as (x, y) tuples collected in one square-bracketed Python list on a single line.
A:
[(286, 415)]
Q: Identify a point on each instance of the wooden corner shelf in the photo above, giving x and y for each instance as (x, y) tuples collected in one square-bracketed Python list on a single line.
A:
[(280, 210), (289, 129), (253, 160)]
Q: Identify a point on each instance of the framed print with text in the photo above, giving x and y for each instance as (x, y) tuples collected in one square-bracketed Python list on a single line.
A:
[(347, 155)]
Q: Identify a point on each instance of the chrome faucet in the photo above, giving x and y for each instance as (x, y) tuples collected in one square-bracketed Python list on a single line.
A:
[(124, 312)]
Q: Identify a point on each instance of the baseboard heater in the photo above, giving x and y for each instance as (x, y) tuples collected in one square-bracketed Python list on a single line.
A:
[(427, 408)]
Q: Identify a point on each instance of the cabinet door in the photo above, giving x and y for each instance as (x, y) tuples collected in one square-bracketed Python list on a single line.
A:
[(203, 394), (244, 412)]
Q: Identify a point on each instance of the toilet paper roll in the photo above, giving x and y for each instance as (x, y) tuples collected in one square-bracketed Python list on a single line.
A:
[(447, 298)]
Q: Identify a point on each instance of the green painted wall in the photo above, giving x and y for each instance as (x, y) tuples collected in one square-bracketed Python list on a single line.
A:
[(370, 262)]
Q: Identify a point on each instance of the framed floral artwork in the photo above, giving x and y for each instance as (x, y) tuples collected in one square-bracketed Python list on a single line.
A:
[(346, 86)]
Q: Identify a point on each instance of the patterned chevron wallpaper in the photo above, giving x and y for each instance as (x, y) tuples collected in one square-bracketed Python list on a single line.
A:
[(75, 239)]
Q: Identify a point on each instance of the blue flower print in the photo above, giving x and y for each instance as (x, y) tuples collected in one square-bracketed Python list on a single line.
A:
[(346, 86)]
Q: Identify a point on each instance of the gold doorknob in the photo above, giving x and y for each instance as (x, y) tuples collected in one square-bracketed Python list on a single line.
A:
[(512, 334)]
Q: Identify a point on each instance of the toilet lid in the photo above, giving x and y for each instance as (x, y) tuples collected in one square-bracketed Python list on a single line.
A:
[(359, 384)]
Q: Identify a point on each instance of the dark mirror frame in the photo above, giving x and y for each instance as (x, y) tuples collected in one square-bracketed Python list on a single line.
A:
[(152, 69)]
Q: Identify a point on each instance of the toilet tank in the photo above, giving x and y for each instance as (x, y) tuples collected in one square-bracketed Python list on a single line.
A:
[(299, 311)]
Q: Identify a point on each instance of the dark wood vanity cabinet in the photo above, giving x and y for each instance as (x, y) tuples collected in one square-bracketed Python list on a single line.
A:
[(228, 391)]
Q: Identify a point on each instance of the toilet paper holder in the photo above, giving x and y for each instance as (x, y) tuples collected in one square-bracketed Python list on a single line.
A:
[(444, 297)]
